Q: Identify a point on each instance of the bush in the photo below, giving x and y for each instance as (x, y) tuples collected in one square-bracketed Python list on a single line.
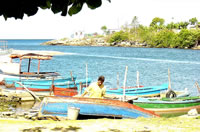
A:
[(118, 37), (164, 38), (186, 38)]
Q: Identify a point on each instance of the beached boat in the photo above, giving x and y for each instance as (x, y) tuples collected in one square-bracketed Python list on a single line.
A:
[(58, 106), (141, 91), (11, 81), (169, 105), (13, 69), (42, 84), (175, 94), (71, 88)]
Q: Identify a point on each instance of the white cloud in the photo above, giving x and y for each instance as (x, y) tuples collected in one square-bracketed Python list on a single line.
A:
[(45, 24)]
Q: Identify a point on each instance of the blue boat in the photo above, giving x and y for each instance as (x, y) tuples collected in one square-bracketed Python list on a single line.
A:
[(44, 85), (58, 106), (142, 91), (10, 81), (40, 85)]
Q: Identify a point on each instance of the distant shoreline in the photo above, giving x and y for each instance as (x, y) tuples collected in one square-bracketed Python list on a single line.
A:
[(100, 42)]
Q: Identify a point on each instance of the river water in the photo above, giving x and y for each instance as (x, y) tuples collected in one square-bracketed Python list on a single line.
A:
[(152, 63)]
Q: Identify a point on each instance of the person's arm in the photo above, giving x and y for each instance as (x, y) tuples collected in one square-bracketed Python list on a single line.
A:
[(85, 92), (104, 92)]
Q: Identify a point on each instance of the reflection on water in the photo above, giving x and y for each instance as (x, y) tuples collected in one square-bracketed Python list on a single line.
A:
[(26, 106), (19, 107)]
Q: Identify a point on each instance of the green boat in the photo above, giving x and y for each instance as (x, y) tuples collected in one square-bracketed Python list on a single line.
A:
[(169, 105)]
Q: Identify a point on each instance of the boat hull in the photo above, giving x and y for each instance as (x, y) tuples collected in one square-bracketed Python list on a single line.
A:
[(59, 86), (71, 89), (142, 91), (179, 105), (57, 106), (11, 80)]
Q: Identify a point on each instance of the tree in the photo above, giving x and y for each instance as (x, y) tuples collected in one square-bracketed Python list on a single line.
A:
[(157, 22), (186, 38), (104, 29), (118, 37), (183, 25), (17, 8), (193, 21), (172, 26), (134, 22)]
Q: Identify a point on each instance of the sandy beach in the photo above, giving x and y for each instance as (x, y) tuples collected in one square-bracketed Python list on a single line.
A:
[(173, 124)]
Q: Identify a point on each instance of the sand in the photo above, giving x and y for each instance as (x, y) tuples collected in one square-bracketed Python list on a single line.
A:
[(173, 124)]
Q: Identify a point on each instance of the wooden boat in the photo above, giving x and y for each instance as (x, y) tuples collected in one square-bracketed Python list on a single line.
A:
[(169, 105), (174, 94), (13, 69), (128, 87), (142, 91), (58, 106), (70, 89), (41, 85), (11, 81)]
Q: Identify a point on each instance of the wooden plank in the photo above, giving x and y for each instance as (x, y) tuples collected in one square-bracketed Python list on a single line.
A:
[(29, 64), (34, 96), (124, 90), (72, 78)]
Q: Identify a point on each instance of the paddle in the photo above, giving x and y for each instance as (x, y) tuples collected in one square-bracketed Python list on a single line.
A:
[(34, 96)]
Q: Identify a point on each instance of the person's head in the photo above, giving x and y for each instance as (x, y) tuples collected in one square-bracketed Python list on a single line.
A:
[(100, 80)]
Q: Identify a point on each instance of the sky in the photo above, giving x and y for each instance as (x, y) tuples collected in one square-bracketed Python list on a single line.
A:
[(46, 25)]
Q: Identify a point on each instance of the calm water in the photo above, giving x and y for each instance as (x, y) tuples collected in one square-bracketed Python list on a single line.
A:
[(152, 63)]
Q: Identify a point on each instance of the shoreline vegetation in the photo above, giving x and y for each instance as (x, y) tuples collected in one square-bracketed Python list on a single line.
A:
[(101, 41), (181, 35)]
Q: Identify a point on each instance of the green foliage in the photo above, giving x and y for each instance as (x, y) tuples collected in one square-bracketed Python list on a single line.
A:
[(104, 28), (145, 34), (118, 36), (163, 39), (187, 38), (193, 21), (17, 8), (157, 22), (182, 25), (160, 38), (172, 26)]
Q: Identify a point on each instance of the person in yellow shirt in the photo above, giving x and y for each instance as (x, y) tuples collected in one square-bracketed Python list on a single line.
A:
[(96, 89)]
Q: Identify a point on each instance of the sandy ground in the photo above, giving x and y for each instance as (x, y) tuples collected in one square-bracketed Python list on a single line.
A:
[(175, 124)]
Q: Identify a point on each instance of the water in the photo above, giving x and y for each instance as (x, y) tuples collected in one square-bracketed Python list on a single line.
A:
[(152, 63)]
